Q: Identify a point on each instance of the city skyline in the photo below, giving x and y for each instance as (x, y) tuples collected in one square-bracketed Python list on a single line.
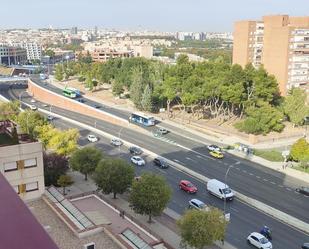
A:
[(138, 15)]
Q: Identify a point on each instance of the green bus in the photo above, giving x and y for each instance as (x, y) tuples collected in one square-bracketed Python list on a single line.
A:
[(69, 93)]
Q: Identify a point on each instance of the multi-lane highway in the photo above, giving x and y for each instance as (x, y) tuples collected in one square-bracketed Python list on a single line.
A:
[(244, 219), (248, 178)]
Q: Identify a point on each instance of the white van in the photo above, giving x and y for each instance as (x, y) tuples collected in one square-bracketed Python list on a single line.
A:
[(219, 189)]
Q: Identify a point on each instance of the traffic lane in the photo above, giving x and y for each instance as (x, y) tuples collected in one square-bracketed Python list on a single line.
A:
[(262, 189), (119, 113), (244, 219), (164, 147)]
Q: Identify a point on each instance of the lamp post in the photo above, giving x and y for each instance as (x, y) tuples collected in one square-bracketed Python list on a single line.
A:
[(19, 97), (225, 178)]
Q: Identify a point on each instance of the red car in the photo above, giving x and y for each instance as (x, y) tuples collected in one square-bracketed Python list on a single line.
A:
[(187, 186)]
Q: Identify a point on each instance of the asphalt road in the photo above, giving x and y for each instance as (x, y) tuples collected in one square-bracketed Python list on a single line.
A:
[(244, 219), (268, 186)]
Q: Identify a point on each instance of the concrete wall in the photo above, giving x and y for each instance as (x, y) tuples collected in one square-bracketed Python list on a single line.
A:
[(21, 152), (55, 99)]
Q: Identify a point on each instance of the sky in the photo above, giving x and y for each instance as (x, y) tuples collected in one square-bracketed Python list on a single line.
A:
[(160, 15)]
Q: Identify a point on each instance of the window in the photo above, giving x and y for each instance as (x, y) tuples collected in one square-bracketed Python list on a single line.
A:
[(10, 166), (89, 246), (30, 163), (33, 186)]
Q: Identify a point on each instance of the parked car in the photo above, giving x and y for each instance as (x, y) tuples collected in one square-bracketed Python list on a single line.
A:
[(81, 100), (303, 190), (216, 154), (187, 186), (197, 204), (305, 246), (213, 147), (116, 142), (137, 160), (92, 138), (33, 107), (259, 241), (32, 100), (135, 150), (160, 162)]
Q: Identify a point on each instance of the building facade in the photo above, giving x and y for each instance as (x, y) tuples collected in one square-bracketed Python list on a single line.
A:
[(280, 43), (21, 162), (34, 50), (10, 55)]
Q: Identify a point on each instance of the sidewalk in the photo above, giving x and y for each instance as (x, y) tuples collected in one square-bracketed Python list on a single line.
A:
[(160, 227)]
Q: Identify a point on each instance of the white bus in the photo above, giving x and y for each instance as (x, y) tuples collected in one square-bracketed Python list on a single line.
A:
[(142, 118)]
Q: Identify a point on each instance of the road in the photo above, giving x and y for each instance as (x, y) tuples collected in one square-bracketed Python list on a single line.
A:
[(268, 186), (244, 219)]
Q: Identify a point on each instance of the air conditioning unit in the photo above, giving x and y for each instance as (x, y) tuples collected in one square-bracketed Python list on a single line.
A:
[(90, 245)]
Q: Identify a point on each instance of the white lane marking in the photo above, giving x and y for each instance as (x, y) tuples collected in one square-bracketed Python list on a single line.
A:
[(190, 159), (273, 183), (281, 186), (245, 171), (258, 177), (198, 156), (265, 180), (219, 161), (288, 189), (176, 160), (251, 174), (226, 164), (238, 162), (235, 210)]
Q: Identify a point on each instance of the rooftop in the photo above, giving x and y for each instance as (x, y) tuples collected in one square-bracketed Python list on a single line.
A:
[(16, 219)]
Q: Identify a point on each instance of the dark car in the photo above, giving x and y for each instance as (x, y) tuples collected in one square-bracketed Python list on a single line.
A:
[(135, 150), (303, 190), (160, 162), (96, 106), (81, 100), (305, 246)]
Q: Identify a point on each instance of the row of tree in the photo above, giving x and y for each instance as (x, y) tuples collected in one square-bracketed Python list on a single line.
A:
[(207, 90)]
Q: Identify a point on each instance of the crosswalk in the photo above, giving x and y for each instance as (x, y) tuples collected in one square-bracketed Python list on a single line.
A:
[(163, 138)]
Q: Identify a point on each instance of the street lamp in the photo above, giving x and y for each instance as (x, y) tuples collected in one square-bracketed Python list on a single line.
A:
[(225, 178), (19, 97)]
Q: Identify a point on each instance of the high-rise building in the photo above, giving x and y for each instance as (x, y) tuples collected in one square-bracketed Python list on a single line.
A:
[(12, 55), (280, 43)]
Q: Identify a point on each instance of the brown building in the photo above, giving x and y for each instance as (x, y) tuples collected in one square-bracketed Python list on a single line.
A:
[(280, 43)]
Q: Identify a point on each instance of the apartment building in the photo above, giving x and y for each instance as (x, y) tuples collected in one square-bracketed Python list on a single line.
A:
[(21, 161), (280, 43), (34, 50), (10, 55)]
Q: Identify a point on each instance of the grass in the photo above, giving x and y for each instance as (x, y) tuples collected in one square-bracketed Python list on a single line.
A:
[(302, 169), (270, 155), (5, 139)]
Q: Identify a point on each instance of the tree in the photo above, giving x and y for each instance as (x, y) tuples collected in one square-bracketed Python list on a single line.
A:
[(59, 72), (202, 228), (45, 134), (9, 110), (150, 195), (300, 150), (49, 53), (117, 88), (146, 101), (85, 160), (29, 120), (295, 107), (54, 166), (136, 88), (65, 181), (113, 176)]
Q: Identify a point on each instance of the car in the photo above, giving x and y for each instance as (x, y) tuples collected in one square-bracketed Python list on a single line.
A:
[(160, 162), (197, 204), (96, 106), (135, 150), (216, 154), (187, 186), (81, 100), (305, 246), (137, 160), (303, 190), (33, 107), (116, 142), (162, 131), (92, 138), (32, 100), (213, 147), (259, 241), (45, 105), (50, 118)]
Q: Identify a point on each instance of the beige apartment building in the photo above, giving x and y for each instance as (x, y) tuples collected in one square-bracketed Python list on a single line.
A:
[(21, 162), (280, 43)]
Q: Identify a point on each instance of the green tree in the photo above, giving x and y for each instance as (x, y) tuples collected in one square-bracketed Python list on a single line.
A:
[(85, 160), (65, 181), (300, 150), (202, 228), (146, 102), (117, 87), (9, 110), (136, 88), (45, 134), (295, 107), (54, 166), (49, 52), (59, 74), (150, 195), (29, 120), (89, 82), (262, 120), (64, 142), (113, 176)]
